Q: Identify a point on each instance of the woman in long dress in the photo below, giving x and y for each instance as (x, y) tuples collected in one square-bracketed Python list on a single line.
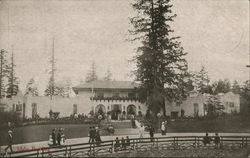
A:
[(163, 128)]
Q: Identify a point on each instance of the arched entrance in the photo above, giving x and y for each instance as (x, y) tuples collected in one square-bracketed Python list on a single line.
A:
[(131, 109), (100, 109), (116, 110)]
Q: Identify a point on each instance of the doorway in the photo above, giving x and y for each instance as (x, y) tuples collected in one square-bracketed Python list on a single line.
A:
[(116, 110)]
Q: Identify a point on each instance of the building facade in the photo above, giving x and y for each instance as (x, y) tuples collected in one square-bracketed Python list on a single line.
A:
[(113, 97), (195, 105)]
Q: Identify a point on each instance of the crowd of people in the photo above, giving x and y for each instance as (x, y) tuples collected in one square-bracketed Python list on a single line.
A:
[(57, 138), (121, 144)]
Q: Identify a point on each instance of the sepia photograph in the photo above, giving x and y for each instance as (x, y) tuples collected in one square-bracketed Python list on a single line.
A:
[(125, 78)]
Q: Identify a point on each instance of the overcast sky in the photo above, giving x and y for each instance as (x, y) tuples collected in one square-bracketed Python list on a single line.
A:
[(215, 33)]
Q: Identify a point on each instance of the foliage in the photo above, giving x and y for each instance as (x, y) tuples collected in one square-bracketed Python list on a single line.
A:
[(108, 75), (221, 86), (160, 62), (201, 81), (214, 106), (236, 88), (12, 117), (31, 88), (3, 72), (12, 86), (91, 75), (53, 89)]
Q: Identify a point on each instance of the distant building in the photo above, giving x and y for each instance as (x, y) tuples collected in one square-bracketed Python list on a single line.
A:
[(114, 97), (195, 105)]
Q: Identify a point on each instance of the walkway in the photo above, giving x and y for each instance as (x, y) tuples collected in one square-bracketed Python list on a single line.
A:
[(36, 145)]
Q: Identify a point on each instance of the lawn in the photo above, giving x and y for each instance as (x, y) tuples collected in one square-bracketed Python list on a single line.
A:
[(35, 133), (229, 124)]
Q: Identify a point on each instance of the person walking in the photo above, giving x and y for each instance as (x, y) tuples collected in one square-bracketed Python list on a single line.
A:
[(91, 136), (53, 134), (98, 136), (151, 133), (10, 142), (141, 131)]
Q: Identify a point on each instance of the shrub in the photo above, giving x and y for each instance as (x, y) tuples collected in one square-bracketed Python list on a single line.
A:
[(12, 117)]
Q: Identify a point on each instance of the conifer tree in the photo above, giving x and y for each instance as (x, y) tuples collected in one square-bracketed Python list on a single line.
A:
[(161, 66), (236, 88), (12, 86), (107, 75), (31, 88), (201, 81), (3, 73), (91, 75)]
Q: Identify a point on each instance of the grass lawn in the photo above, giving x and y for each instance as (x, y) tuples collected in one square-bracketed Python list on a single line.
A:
[(230, 124), (34, 133)]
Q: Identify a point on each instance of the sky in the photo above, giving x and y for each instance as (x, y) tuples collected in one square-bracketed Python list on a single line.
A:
[(215, 33)]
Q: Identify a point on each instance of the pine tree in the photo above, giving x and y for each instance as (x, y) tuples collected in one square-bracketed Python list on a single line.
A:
[(56, 90), (221, 86), (107, 75), (201, 81), (3, 73), (12, 86), (91, 75), (31, 88), (160, 62), (236, 88)]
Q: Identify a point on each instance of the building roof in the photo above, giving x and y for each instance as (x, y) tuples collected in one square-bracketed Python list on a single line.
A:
[(107, 85)]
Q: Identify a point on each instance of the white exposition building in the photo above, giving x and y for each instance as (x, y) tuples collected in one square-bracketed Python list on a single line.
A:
[(110, 96)]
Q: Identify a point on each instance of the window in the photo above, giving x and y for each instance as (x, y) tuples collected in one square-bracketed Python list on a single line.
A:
[(19, 107), (131, 95), (74, 109), (196, 109), (139, 107), (231, 104)]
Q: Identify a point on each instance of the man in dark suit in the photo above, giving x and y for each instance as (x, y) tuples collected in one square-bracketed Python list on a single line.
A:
[(54, 136), (10, 141), (59, 137)]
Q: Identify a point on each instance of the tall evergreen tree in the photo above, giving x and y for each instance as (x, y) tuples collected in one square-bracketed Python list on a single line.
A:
[(50, 90), (91, 75), (107, 75), (236, 88), (12, 86), (3, 72), (160, 62), (31, 88), (221, 86), (201, 81)]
